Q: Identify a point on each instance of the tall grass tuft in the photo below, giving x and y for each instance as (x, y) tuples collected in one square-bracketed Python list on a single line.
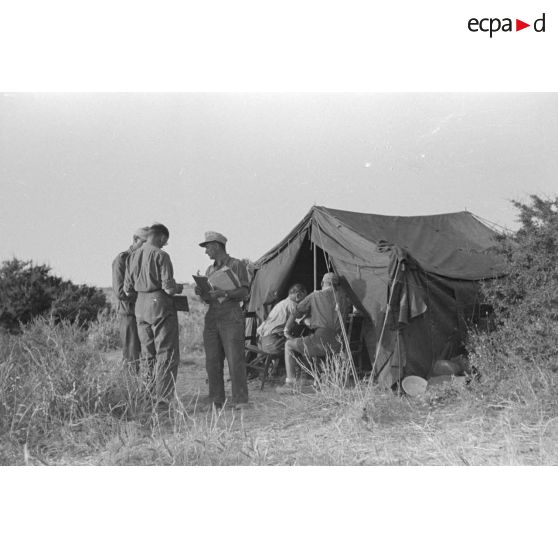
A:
[(191, 324), (51, 376), (60, 398), (332, 376), (104, 334)]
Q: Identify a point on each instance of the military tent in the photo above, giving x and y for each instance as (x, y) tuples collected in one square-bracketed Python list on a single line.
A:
[(415, 279)]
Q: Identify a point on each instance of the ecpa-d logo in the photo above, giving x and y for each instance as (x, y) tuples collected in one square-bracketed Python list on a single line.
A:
[(493, 25)]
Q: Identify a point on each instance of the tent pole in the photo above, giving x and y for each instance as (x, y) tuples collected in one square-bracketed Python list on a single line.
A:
[(315, 268), (339, 316), (388, 309)]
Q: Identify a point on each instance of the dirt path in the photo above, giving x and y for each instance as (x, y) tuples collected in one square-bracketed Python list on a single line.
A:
[(292, 429), (267, 407)]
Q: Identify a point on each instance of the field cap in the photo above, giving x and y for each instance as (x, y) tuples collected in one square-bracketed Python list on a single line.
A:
[(142, 233), (212, 236), (331, 278)]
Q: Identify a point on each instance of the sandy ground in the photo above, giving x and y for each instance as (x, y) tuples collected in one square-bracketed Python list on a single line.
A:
[(267, 407), (316, 429)]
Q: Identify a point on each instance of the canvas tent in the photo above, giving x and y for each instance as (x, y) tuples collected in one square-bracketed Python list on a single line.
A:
[(416, 279)]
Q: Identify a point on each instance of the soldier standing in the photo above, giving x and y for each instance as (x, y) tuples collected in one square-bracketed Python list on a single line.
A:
[(224, 330), (150, 274), (131, 347)]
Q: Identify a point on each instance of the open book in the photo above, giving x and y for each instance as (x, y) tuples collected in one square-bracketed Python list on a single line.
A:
[(223, 279)]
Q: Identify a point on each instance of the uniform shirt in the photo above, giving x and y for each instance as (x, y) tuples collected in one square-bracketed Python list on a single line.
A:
[(320, 306), (125, 303), (275, 322), (149, 269), (241, 274)]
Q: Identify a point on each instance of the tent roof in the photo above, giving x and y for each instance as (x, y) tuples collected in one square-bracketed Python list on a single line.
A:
[(453, 245)]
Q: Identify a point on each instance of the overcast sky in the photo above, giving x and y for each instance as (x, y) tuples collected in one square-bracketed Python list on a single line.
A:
[(79, 172)]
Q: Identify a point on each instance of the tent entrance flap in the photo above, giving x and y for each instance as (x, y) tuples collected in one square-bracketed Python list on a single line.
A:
[(268, 284), (310, 261), (294, 264)]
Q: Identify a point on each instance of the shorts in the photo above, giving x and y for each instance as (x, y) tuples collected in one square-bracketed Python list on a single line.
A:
[(273, 344), (318, 343)]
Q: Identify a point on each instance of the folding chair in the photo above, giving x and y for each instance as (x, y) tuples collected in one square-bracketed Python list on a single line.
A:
[(266, 364)]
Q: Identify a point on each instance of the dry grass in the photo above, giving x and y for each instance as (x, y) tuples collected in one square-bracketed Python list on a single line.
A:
[(62, 401), (103, 334), (191, 324)]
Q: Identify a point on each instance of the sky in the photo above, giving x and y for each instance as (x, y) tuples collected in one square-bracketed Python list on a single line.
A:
[(80, 172)]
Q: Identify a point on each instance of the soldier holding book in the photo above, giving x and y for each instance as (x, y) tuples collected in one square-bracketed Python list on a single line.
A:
[(150, 274), (224, 330)]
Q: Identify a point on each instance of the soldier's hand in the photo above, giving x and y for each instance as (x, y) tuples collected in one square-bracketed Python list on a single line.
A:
[(179, 288), (217, 293)]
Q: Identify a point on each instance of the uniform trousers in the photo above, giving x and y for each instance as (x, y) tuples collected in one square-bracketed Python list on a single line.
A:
[(224, 337), (317, 344), (131, 347), (158, 333)]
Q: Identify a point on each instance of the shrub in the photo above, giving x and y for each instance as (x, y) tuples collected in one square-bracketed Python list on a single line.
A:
[(518, 360), (78, 303), (531, 256), (28, 290)]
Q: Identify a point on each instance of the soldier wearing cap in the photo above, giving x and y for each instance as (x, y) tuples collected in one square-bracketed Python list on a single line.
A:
[(224, 331), (321, 310), (131, 347), (150, 275)]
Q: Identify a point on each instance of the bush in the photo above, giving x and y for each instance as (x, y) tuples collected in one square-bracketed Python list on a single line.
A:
[(518, 361), (78, 303), (531, 255), (28, 291)]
